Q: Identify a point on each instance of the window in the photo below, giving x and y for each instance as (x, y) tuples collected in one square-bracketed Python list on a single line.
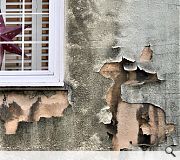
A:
[(31, 42)]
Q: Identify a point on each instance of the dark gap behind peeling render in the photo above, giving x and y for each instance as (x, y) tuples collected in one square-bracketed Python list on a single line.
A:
[(142, 116), (141, 75)]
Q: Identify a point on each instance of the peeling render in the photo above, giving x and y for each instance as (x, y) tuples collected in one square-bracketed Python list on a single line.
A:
[(138, 125), (102, 33), (99, 33), (105, 116), (17, 108)]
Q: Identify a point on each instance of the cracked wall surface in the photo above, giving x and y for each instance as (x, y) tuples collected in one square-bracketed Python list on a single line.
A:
[(98, 33)]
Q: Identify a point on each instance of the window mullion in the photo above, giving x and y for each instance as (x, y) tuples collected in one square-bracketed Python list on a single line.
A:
[(3, 9), (39, 37), (36, 34), (23, 33)]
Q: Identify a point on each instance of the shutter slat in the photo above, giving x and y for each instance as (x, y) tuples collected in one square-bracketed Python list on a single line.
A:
[(37, 53)]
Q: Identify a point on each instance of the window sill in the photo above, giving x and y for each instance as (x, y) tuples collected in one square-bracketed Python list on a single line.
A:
[(51, 88)]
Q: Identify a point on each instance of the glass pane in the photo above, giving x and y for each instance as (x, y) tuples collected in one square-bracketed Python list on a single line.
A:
[(38, 36), (36, 56), (12, 27), (12, 60), (45, 57), (45, 28), (36, 6), (45, 6), (12, 6), (38, 28), (10, 42)]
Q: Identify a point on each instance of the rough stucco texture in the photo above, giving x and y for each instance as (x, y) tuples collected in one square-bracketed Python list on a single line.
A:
[(99, 32), (104, 31)]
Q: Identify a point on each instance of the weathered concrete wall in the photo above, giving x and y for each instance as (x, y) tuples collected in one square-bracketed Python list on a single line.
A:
[(99, 32)]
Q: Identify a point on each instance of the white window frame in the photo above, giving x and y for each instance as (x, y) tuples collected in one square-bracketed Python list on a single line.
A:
[(55, 74)]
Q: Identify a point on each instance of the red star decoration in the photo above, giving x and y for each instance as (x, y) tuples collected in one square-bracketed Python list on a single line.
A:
[(7, 34)]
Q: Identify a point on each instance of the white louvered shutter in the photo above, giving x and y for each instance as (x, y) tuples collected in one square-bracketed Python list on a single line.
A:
[(36, 38)]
